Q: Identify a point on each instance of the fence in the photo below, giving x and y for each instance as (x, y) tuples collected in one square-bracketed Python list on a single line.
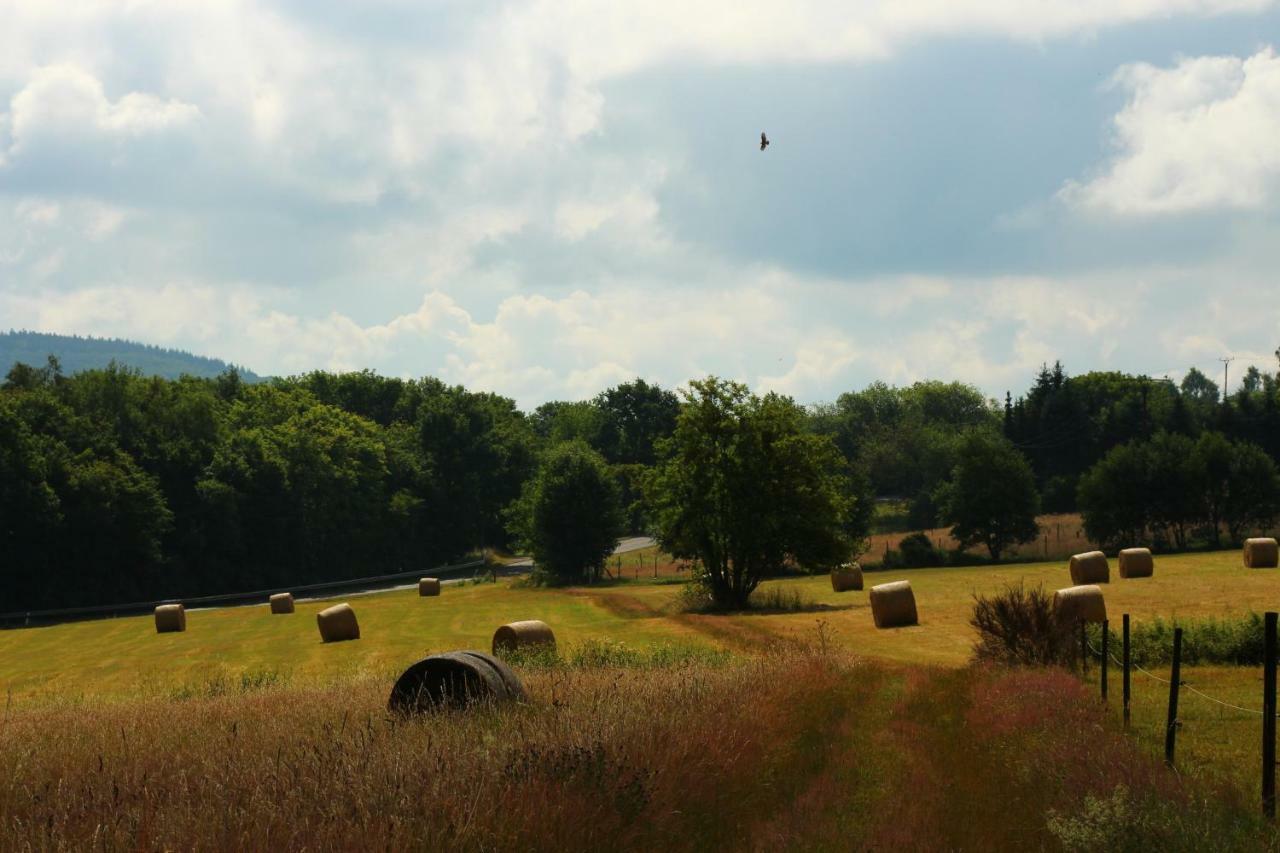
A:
[(27, 618), (1176, 684)]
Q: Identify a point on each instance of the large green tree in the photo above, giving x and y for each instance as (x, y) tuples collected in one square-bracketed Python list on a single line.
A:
[(743, 487), (569, 515), (991, 498)]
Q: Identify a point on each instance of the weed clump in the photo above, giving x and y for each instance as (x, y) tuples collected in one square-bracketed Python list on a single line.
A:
[(1019, 627)]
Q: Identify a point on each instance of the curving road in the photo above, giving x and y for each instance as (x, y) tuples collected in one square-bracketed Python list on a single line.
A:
[(517, 567)]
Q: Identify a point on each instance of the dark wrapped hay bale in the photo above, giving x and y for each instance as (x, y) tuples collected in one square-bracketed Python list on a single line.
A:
[(521, 635), (338, 623), (1090, 567), (171, 617), (1080, 603), (893, 605), (1136, 563), (1261, 554), (428, 586), (846, 577), (454, 680), (282, 602)]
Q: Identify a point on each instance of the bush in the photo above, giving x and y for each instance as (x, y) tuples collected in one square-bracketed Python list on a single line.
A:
[(1236, 642), (917, 551), (1018, 627)]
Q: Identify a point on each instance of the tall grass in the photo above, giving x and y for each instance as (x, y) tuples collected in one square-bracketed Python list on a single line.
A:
[(802, 749)]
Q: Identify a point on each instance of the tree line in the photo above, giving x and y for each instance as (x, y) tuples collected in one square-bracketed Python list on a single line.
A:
[(115, 486)]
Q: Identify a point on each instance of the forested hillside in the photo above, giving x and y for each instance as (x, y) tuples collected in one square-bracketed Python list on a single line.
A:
[(75, 353)]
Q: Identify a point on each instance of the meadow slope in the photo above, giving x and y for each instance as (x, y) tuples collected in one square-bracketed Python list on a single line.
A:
[(229, 650)]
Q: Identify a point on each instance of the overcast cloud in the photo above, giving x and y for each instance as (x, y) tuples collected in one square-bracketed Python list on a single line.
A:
[(546, 198)]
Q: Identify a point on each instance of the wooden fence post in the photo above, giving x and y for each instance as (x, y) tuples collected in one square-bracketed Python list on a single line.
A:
[(1126, 670), (1104, 660), (1269, 717), (1175, 681)]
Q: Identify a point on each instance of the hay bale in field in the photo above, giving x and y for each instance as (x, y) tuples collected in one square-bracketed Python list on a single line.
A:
[(428, 586), (338, 623), (1136, 563), (1090, 567), (1261, 554), (520, 635), (846, 577), (282, 602), (171, 617), (454, 680), (893, 605), (1076, 603)]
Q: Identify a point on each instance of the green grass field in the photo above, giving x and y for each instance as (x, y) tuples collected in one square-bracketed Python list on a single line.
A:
[(126, 656)]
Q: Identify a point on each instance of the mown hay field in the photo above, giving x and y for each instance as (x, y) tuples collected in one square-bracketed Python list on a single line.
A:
[(126, 657)]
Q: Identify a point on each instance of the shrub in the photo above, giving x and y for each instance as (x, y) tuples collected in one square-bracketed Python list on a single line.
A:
[(917, 551), (1018, 627), (1204, 641)]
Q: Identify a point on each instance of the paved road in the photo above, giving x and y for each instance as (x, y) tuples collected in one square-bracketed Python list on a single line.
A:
[(518, 567)]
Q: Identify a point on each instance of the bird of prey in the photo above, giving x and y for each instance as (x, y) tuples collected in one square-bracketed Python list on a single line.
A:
[(764, 141)]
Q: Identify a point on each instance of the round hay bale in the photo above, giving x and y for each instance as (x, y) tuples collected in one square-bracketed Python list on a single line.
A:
[(282, 602), (520, 635), (893, 605), (171, 617), (846, 577), (1090, 567), (1261, 554), (454, 680), (1077, 603), (428, 586), (1136, 563), (338, 623)]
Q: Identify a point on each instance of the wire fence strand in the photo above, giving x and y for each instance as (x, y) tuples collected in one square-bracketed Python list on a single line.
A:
[(1199, 693)]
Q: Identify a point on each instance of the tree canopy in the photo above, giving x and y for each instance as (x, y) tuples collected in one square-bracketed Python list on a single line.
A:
[(569, 515), (744, 488)]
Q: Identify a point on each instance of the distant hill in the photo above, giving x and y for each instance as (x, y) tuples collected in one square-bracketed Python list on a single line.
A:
[(76, 354)]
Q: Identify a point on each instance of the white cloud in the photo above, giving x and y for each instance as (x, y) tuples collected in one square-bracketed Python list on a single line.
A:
[(1197, 136), (66, 100), (374, 171), (36, 211), (602, 40), (993, 332)]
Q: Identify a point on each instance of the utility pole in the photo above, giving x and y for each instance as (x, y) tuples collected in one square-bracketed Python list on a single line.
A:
[(1225, 363)]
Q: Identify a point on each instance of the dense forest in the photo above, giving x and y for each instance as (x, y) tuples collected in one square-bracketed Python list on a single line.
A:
[(76, 353), (118, 486)]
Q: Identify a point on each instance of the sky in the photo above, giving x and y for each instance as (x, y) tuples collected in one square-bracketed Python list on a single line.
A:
[(546, 198)]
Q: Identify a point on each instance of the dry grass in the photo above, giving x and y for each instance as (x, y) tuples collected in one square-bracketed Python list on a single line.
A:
[(799, 749), (1061, 536), (691, 757)]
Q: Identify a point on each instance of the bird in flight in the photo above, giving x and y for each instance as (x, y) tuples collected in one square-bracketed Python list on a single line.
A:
[(764, 141)]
